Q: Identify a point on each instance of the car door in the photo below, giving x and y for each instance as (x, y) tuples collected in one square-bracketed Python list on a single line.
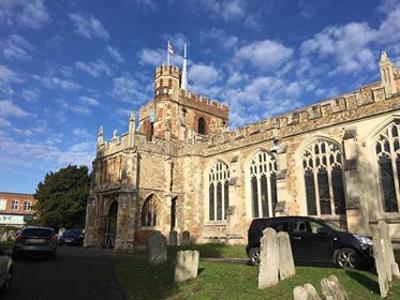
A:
[(311, 242)]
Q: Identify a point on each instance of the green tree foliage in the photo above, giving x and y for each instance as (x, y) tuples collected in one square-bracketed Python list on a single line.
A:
[(62, 198)]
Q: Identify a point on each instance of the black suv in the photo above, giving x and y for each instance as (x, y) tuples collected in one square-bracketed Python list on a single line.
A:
[(315, 242)]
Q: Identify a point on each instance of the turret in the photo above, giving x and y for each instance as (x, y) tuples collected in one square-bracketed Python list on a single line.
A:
[(388, 73), (131, 130), (100, 137), (167, 80)]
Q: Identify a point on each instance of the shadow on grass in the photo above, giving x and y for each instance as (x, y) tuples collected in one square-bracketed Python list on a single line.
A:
[(364, 280)]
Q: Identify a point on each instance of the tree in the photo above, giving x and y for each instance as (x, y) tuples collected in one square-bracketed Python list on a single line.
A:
[(62, 198)]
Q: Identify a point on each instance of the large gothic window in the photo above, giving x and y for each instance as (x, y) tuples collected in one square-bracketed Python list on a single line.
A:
[(263, 168), (149, 212), (323, 179), (218, 191), (388, 155)]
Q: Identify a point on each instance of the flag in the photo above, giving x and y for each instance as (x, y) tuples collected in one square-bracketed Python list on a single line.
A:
[(171, 50)]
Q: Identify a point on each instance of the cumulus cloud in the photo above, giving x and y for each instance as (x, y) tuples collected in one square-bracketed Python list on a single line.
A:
[(52, 82), (16, 47), (88, 26), (89, 101), (9, 109), (32, 14), (115, 54), (265, 55), (96, 68), (152, 57), (203, 75), (127, 89)]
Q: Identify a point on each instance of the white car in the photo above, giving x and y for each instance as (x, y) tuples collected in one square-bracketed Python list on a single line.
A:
[(6, 271)]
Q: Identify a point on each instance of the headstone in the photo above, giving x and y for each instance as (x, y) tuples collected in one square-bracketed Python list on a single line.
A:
[(305, 292), (391, 267), (286, 262), (173, 238), (185, 239), (332, 289), (268, 274), (4, 236), (156, 249), (187, 265), (312, 292), (380, 267)]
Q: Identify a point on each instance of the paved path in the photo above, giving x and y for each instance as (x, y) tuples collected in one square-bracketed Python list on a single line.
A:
[(75, 274)]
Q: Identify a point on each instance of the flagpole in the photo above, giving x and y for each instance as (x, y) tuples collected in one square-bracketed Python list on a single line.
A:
[(168, 53)]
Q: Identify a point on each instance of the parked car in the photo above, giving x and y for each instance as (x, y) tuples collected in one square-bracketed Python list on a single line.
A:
[(6, 271), (72, 237), (314, 241), (35, 240)]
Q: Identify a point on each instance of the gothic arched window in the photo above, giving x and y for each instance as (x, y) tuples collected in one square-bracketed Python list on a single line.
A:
[(323, 178), (149, 212), (387, 149), (201, 126), (263, 168), (218, 191)]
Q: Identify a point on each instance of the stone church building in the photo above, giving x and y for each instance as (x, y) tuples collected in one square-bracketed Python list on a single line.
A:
[(182, 170)]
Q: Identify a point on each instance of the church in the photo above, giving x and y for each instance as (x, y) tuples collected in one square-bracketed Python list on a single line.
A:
[(182, 172)]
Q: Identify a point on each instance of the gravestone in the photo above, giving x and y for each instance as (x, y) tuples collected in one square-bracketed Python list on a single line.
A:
[(185, 238), (4, 236), (391, 267), (380, 266), (268, 274), (311, 291), (173, 238), (286, 262), (305, 292), (156, 249), (187, 265), (332, 289)]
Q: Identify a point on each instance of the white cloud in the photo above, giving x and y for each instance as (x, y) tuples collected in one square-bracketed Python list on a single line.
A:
[(220, 36), (225, 9), (96, 68), (81, 132), (88, 26), (203, 75), (76, 108), (16, 47), (127, 89), (115, 54), (30, 95), (4, 122), (8, 76), (152, 57), (32, 14), (88, 101), (9, 109), (52, 82), (266, 55)]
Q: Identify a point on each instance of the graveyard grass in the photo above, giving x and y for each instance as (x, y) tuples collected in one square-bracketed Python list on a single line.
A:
[(218, 280)]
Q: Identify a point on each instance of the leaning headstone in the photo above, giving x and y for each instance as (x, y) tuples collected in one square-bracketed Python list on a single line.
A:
[(332, 289), (268, 274), (156, 249), (380, 266), (312, 292), (185, 239), (286, 262), (173, 238), (391, 267), (305, 292), (187, 265)]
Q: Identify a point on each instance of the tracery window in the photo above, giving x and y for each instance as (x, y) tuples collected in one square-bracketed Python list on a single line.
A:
[(263, 168), (323, 178), (218, 191), (150, 212), (387, 149)]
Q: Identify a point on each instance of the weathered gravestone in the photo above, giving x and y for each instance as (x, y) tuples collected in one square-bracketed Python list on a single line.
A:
[(156, 249), (332, 289), (305, 292), (185, 238), (286, 262), (380, 267), (391, 267), (311, 291), (173, 238), (187, 264), (268, 274)]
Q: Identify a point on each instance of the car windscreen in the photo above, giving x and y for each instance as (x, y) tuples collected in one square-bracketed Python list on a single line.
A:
[(42, 232), (334, 226), (72, 232)]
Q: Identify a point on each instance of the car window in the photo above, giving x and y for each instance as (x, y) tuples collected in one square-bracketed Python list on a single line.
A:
[(301, 226), (36, 232), (315, 227), (281, 226)]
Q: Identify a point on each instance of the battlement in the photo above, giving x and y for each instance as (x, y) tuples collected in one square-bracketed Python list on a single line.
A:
[(165, 70), (193, 100)]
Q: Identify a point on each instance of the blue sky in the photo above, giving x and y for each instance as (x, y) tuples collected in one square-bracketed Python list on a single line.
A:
[(67, 67)]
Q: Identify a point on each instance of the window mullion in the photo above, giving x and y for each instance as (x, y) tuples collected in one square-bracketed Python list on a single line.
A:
[(259, 196), (394, 166), (330, 186), (315, 173)]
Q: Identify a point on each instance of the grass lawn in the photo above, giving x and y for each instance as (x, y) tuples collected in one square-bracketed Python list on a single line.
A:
[(218, 280)]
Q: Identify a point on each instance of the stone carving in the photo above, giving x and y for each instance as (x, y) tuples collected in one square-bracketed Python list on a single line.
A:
[(185, 238), (187, 265), (286, 262), (156, 249), (269, 259), (173, 238), (332, 289), (305, 292)]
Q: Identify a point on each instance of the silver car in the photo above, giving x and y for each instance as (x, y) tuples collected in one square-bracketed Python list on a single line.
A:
[(6, 271), (34, 240)]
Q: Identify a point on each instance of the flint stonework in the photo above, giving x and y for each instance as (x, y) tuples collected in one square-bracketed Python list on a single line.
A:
[(187, 265), (156, 249), (286, 262), (268, 274)]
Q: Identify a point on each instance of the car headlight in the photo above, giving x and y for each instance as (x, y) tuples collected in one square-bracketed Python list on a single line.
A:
[(363, 239)]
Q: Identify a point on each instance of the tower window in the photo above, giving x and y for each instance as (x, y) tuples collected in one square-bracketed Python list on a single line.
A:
[(201, 126)]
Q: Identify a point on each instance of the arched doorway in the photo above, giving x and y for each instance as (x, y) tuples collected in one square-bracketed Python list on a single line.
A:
[(111, 226)]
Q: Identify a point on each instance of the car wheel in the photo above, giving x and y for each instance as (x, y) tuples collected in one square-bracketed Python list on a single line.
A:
[(7, 281), (254, 255), (347, 258)]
